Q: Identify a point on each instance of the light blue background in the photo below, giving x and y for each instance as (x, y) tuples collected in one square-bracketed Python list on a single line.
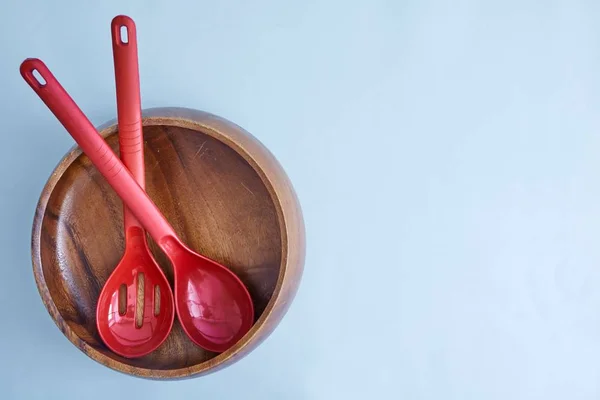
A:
[(446, 155)]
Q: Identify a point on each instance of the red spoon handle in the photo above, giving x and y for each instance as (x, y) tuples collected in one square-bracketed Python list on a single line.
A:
[(129, 109), (94, 146)]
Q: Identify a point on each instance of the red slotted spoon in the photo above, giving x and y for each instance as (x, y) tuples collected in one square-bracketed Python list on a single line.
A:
[(214, 307), (139, 326)]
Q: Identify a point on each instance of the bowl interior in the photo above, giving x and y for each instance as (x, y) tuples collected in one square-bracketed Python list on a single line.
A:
[(212, 196)]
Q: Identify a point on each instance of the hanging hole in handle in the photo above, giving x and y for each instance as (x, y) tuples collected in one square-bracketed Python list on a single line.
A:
[(38, 77), (124, 34)]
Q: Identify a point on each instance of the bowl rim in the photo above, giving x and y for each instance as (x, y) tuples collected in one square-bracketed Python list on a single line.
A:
[(289, 216)]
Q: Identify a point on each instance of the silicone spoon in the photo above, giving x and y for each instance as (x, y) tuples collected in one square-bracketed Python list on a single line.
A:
[(213, 305), (144, 321)]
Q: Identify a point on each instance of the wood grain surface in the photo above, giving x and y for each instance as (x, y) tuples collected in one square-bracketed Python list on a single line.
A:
[(225, 195)]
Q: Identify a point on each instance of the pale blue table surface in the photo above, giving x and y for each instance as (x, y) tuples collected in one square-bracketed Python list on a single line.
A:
[(446, 155)]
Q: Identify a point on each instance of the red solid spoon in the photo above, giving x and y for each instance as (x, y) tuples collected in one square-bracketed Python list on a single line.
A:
[(214, 307), (135, 310)]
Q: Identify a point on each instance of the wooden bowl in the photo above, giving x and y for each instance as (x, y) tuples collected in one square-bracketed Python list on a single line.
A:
[(225, 195)]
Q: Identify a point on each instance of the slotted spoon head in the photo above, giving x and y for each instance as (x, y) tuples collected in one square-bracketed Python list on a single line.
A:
[(135, 309)]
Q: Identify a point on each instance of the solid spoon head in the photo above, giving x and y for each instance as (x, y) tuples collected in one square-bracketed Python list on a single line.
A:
[(214, 307), (135, 309)]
